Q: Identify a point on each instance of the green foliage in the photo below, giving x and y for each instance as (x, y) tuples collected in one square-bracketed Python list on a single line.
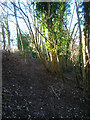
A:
[(34, 55), (25, 40), (51, 17), (47, 44)]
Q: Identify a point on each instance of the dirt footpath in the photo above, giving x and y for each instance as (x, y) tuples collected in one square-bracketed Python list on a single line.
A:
[(29, 91)]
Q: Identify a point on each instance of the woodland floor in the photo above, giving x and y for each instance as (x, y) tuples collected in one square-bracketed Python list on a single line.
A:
[(30, 92)]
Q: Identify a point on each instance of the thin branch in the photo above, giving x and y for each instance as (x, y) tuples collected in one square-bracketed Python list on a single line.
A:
[(72, 17), (55, 93)]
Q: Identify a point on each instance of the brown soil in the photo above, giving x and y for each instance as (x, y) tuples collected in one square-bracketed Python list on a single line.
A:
[(29, 92)]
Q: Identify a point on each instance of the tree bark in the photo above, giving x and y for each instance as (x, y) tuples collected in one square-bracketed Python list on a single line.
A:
[(80, 39), (8, 34), (15, 13), (3, 35)]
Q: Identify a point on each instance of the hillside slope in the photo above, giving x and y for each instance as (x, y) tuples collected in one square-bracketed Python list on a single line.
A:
[(29, 91)]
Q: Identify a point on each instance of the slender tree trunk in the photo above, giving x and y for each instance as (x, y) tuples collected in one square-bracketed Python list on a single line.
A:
[(8, 34), (86, 51), (36, 26), (19, 33), (7, 29), (86, 65), (80, 39), (22, 45), (75, 72), (15, 13), (3, 35), (60, 69)]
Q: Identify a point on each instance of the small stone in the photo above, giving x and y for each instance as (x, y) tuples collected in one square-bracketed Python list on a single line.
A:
[(30, 102), (9, 106), (27, 109), (67, 116), (29, 116), (41, 108), (23, 106), (18, 107), (61, 116)]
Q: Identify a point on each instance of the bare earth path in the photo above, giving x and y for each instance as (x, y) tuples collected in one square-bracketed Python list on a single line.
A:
[(30, 92)]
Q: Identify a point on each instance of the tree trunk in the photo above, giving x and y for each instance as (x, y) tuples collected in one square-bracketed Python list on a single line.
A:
[(60, 67), (86, 65), (80, 39), (3, 35), (15, 13), (8, 34), (22, 45), (86, 51)]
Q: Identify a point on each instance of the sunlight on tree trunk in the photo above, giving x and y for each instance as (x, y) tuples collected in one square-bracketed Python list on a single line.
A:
[(80, 39)]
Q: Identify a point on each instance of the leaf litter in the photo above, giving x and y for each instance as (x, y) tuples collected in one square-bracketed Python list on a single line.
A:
[(29, 91)]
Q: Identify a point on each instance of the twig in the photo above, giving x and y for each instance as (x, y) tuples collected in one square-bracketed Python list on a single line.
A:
[(55, 93)]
